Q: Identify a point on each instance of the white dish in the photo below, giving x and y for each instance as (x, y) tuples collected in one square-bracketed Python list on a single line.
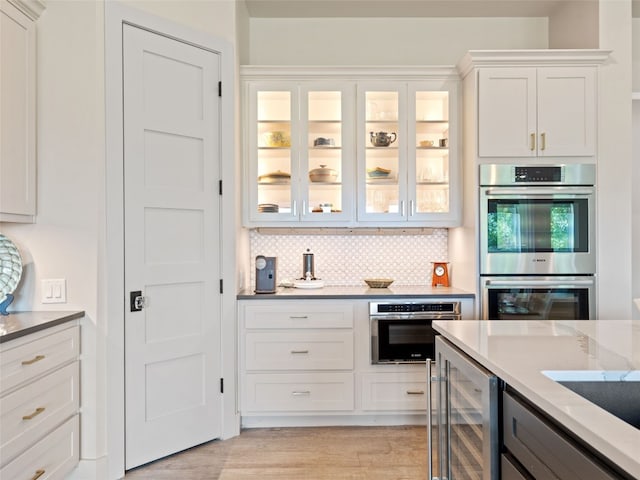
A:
[(10, 267), (308, 283)]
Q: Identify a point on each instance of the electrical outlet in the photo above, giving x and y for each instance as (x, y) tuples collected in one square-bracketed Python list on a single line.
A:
[(54, 290)]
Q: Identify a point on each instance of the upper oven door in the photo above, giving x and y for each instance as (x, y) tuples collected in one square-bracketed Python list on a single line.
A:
[(537, 230)]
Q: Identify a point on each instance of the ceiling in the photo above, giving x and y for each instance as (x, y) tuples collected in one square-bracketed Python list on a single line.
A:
[(409, 8)]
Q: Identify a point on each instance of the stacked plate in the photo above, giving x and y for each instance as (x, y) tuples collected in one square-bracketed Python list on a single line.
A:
[(10, 271), (268, 208)]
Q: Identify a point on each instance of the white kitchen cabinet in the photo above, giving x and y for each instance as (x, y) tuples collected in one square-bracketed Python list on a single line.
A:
[(413, 181), (293, 129), (18, 110), (39, 403), (405, 391), (537, 112), (415, 178), (296, 357)]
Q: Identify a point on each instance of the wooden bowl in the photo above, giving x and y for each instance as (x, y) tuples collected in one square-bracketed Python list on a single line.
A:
[(378, 282)]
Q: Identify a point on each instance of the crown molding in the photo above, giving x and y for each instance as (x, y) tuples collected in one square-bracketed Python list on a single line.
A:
[(314, 72), (547, 57), (31, 8)]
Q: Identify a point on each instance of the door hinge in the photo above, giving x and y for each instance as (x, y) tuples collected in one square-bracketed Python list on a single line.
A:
[(220, 88), (221, 287), (222, 385), (220, 187)]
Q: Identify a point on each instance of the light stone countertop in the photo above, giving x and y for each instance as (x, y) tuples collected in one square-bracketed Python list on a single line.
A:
[(336, 292), (518, 352), (19, 324)]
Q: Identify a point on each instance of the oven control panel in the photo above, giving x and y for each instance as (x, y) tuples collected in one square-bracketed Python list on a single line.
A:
[(409, 307), (538, 174)]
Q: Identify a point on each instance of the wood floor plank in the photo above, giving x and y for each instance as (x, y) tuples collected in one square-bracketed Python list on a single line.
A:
[(336, 453)]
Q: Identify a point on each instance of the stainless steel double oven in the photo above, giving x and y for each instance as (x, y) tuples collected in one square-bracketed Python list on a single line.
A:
[(537, 241)]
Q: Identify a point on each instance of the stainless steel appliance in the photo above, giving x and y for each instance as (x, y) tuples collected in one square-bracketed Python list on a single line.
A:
[(467, 418), (537, 220), (538, 298), (265, 274), (401, 332)]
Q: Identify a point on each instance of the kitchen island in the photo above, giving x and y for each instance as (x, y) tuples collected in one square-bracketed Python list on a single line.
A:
[(526, 354)]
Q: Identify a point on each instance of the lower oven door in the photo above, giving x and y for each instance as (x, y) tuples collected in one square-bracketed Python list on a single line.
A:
[(538, 298)]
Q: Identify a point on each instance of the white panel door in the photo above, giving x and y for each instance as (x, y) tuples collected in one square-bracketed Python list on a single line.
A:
[(507, 112), (171, 169), (567, 111)]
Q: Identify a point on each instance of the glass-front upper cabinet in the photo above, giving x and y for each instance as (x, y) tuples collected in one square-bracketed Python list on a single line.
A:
[(408, 162), (300, 154)]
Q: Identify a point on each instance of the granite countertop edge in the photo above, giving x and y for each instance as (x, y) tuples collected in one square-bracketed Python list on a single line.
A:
[(20, 324), (355, 292)]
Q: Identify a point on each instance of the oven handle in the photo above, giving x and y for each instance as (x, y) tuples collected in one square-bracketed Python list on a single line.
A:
[(527, 191), (537, 283)]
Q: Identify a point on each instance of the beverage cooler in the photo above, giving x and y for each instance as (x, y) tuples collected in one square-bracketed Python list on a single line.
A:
[(467, 418)]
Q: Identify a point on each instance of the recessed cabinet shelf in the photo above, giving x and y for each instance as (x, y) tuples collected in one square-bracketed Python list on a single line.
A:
[(405, 130)]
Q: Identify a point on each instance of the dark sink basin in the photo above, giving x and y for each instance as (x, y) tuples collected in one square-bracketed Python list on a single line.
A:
[(616, 392)]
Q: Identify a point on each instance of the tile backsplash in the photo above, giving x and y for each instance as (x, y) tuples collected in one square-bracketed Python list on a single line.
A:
[(344, 260)]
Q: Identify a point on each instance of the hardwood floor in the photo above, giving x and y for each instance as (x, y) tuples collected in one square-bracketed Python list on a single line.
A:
[(354, 453)]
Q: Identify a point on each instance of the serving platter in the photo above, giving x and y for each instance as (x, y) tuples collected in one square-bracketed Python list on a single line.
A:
[(10, 272)]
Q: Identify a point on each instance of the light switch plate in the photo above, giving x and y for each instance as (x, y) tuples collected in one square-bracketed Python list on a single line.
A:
[(54, 290)]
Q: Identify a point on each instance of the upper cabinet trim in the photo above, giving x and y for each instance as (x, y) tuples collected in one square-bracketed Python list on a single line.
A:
[(31, 8), (316, 72), (551, 57)]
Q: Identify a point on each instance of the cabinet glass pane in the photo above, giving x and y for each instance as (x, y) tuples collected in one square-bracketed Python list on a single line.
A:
[(466, 429), (325, 155), (432, 152), (382, 155), (274, 152)]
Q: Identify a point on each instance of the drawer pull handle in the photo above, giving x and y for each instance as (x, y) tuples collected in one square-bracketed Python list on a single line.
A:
[(298, 317), (35, 359), (38, 474), (298, 393), (299, 352), (415, 392), (36, 412)]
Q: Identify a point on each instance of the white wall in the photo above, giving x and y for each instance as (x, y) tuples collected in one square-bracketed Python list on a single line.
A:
[(574, 24), (387, 41), (614, 163), (635, 54)]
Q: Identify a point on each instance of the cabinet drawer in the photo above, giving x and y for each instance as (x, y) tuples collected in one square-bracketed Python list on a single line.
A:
[(298, 315), (544, 451), (29, 360), (394, 391), (298, 392), (309, 350), (30, 412), (508, 470), (56, 454)]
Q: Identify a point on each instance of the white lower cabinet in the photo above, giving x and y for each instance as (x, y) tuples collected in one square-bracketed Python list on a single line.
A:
[(39, 404), (394, 391), (299, 392), (309, 363)]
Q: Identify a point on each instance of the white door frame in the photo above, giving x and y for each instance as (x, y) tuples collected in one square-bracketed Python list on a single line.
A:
[(115, 297)]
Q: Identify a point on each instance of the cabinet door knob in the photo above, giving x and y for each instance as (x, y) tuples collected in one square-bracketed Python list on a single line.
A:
[(543, 141), (532, 146)]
